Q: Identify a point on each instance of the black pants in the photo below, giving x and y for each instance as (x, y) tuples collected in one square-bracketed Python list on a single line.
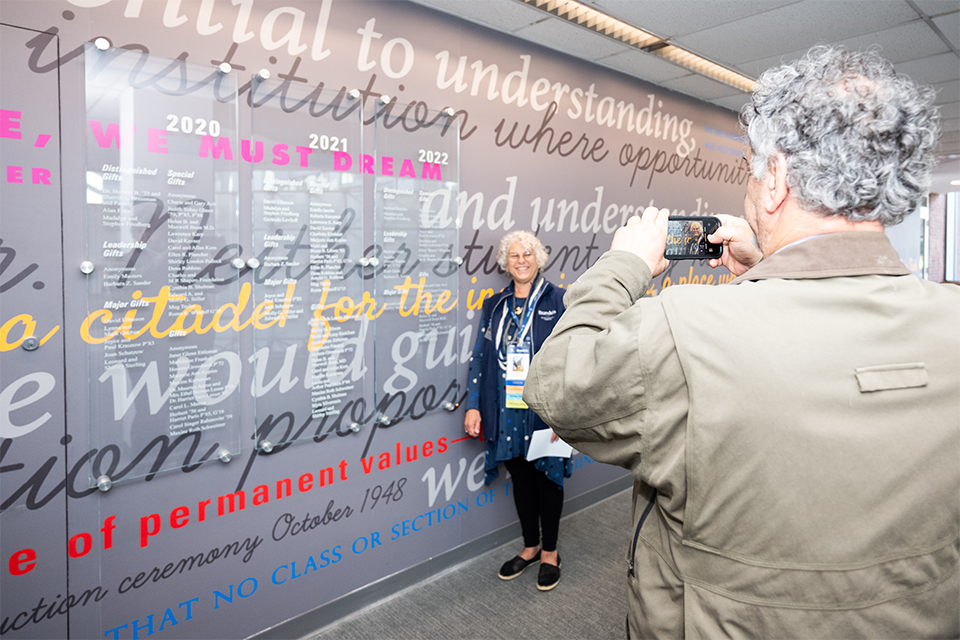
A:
[(539, 503)]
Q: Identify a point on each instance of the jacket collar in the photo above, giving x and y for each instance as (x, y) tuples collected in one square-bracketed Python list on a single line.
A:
[(852, 253)]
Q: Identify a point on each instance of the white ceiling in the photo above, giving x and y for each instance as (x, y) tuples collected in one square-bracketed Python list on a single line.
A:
[(921, 38)]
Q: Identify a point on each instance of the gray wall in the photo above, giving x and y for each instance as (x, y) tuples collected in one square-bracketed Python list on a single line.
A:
[(132, 571)]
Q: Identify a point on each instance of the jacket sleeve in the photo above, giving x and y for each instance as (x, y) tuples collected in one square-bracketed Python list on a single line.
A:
[(476, 371), (609, 356)]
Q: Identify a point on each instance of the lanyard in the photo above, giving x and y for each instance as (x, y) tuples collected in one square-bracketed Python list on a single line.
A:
[(523, 323)]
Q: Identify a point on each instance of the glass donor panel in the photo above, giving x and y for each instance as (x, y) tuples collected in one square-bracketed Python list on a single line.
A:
[(307, 237), (164, 302), (415, 259)]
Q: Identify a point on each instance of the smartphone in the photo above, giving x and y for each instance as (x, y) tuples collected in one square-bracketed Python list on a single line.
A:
[(687, 238)]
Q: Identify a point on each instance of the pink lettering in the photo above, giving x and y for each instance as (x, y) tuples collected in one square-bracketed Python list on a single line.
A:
[(14, 174), (342, 161), (366, 163), (280, 155), (157, 140), (9, 124), (304, 152), (431, 171), (220, 147), (407, 169), (41, 176), (105, 138), (245, 151), (42, 140), (386, 166)]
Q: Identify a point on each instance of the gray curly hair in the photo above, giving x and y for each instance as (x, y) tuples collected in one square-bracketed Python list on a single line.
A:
[(528, 241), (858, 139)]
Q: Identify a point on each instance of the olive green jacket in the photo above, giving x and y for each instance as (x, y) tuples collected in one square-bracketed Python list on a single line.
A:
[(794, 439)]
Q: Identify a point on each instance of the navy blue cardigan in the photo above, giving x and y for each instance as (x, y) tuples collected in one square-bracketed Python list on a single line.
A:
[(485, 374)]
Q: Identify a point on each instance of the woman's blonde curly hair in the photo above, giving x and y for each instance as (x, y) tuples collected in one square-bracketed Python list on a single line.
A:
[(528, 241)]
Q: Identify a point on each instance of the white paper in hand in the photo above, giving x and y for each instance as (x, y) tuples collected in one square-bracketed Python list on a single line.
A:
[(540, 446)]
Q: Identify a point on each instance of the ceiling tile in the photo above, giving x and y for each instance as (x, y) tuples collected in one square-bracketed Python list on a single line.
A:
[(732, 102), (949, 110), (903, 43), (949, 140), (950, 26), (950, 124), (701, 87), (679, 17), (796, 26), (939, 68), (500, 15), (937, 7), (947, 91), (643, 65), (570, 38)]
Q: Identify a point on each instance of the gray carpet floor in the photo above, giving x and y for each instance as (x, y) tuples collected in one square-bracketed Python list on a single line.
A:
[(470, 601)]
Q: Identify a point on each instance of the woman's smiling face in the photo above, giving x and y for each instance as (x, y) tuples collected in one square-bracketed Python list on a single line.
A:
[(521, 264)]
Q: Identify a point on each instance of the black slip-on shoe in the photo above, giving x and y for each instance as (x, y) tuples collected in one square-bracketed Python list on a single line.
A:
[(515, 566), (549, 575)]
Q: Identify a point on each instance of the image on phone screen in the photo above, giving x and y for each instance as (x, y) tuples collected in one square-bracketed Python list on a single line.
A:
[(687, 238)]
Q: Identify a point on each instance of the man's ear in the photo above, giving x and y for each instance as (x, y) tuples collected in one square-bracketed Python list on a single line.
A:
[(775, 183)]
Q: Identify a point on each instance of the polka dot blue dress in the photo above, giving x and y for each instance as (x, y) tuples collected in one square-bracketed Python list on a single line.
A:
[(512, 440)]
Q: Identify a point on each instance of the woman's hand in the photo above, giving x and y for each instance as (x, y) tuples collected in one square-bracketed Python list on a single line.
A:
[(553, 436), (471, 423)]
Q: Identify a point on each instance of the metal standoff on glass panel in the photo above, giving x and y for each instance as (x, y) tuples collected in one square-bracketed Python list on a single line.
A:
[(266, 446), (384, 420), (449, 406), (253, 263), (86, 267), (101, 43), (385, 99), (263, 74), (449, 112), (224, 455), (238, 263), (353, 94), (104, 483), (30, 343), (224, 68), (354, 426)]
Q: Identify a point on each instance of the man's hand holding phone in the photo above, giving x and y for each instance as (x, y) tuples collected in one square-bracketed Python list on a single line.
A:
[(740, 249), (645, 237)]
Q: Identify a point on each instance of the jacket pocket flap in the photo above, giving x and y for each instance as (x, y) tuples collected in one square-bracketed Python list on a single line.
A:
[(892, 376)]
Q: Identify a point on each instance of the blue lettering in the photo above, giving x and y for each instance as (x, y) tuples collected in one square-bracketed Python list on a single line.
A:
[(149, 627), (167, 616), (240, 588), (217, 595), (189, 604)]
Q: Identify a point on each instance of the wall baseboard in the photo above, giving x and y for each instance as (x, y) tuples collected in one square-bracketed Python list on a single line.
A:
[(311, 622)]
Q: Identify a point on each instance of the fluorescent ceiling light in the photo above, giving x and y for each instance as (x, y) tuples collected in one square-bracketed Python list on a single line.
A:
[(590, 18)]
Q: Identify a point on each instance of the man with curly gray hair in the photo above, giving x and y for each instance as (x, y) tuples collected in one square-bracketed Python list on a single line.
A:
[(794, 438)]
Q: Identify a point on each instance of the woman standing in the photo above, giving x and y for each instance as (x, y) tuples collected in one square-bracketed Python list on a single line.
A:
[(514, 324)]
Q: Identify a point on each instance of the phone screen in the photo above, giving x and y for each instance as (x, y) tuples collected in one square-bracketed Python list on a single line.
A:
[(687, 238)]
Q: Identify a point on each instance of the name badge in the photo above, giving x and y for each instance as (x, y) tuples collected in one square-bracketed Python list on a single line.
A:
[(518, 363)]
